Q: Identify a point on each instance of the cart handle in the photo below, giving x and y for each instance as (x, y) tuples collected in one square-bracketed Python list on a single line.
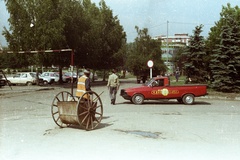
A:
[(99, 95)]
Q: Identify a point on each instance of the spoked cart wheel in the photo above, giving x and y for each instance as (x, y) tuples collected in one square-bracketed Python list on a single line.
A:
[(60, 97), (89, 110)]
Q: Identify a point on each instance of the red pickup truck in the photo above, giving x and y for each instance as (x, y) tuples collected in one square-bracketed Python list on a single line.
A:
[(159, 88)]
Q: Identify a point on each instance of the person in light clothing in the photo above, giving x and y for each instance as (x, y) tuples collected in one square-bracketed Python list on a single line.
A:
[(113, 86)]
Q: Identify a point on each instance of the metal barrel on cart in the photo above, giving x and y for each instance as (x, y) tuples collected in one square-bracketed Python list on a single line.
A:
[(69, 110)]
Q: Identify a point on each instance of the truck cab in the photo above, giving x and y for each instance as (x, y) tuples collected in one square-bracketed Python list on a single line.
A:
[(159, 81)]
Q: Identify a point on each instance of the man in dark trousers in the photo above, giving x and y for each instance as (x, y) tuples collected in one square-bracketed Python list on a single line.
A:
[(113, 86)]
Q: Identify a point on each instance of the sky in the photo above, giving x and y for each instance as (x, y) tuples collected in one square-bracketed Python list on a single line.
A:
[(182, 16)]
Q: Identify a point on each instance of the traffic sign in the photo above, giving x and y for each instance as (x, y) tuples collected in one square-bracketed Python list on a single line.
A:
[(150, 63)]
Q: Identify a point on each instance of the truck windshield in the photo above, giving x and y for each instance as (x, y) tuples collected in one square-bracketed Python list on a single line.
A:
[(149, 82)]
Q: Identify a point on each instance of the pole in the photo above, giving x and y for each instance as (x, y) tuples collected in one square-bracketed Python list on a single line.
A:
[(167, 43), (72, 60), (150, 72), (150, 65)]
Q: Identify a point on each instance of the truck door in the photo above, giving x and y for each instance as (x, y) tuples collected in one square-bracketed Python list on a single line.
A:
[(157, 89)]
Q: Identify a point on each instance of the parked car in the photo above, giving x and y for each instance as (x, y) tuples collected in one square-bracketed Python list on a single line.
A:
[(2, 81), (70, 75), (49, 77), (27, 78), (91, 75), (159, 88), (66, 78)]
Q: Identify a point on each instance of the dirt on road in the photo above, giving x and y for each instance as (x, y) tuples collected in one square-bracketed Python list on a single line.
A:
[(166, 130)]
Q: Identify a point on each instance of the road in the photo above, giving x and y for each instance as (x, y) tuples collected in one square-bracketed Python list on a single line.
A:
[(164, 130)]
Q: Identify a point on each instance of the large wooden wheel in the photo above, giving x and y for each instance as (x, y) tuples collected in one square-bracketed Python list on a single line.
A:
[(60, 97), (89, 110)]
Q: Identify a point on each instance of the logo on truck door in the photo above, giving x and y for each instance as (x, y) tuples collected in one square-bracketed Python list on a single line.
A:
[(164, 92)]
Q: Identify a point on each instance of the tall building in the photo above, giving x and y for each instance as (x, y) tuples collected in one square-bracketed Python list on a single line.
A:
[(170, 45)]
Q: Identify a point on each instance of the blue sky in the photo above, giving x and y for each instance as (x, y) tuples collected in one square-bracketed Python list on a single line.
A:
[(183, 16)]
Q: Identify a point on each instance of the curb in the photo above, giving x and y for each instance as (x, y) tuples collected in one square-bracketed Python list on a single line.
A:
[(7, 92), (221, 98)]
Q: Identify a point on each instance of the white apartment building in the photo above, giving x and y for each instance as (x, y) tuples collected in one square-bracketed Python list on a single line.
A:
[(169, 45)]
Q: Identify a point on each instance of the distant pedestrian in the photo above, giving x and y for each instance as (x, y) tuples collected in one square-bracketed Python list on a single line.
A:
[(113, 86), (177, 75)]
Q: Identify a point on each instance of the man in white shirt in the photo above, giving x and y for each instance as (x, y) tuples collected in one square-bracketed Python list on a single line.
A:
[(113, 86)]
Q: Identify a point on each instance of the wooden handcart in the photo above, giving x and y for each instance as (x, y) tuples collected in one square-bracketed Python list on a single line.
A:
[(69, 110)]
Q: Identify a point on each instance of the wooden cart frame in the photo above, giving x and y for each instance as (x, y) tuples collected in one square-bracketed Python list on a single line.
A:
[(69, 110)]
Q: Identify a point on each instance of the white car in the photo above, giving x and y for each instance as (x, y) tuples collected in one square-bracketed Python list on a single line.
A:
[(49, 77), (27, 78), (70, 75), (65, 78), (91, 75)]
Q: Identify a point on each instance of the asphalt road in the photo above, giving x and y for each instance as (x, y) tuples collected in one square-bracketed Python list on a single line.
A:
[(164, 130)]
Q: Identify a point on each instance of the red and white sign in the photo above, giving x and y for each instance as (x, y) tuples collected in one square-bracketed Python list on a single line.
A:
[(150, 63)]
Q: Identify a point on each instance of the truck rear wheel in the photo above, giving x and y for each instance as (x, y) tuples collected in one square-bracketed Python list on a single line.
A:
[(137, 99), (188, 99)]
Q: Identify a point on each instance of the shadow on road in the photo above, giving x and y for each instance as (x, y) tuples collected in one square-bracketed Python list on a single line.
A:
[(98, 83)]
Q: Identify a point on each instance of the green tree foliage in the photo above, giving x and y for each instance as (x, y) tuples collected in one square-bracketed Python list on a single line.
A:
[(195, 65), (93, 32), (179, 58), (143, 49), (103, 40), (225, 62), (77, 25), (35, 25)]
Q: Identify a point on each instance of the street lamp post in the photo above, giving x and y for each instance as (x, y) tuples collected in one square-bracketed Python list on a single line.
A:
[(150, 65), (34, 34), (167, 43)]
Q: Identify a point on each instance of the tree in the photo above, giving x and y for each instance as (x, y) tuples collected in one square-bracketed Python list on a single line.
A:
[(225, 62), (18, 32), (179, 58), (34, 25), (93, 32), (103, 40), (195, 65), (143, 49)]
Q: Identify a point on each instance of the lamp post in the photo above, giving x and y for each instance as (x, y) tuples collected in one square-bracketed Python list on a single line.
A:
[(150, 65), (34, 42), (167, 43)]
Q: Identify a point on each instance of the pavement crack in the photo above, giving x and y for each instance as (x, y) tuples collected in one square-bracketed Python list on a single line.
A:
[(145, 134)]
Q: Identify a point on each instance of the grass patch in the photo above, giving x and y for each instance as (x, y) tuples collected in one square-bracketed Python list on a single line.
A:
[(181, 81)]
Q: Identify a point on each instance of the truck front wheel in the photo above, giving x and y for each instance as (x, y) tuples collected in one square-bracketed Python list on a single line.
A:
[(188, 99), (137, 99)]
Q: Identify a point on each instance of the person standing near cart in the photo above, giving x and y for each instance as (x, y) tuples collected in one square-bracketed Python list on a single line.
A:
[(83, 84), (113, 86)]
